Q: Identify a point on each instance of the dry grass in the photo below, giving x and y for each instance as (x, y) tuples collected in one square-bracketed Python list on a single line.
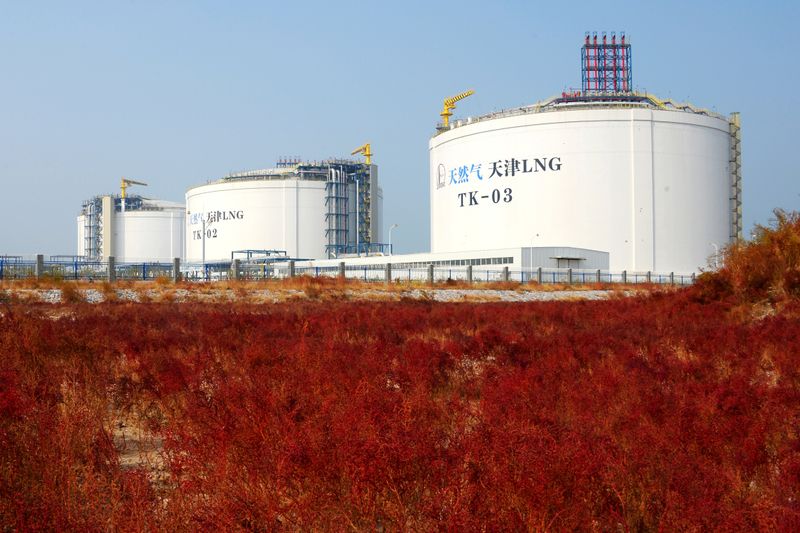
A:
[(162, 289), (70, 294)]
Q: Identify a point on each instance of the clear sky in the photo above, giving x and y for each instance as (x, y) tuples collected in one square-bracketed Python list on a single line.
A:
[(175, 93)]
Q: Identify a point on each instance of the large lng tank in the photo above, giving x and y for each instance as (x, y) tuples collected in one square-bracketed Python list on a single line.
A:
[(654, 183)]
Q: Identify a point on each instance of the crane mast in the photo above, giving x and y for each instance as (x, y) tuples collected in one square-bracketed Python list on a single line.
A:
[(450, 104), (365, 149)]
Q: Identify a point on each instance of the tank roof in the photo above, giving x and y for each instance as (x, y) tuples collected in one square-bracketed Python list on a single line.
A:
[(135, 202), (295, 170), (582, 101)]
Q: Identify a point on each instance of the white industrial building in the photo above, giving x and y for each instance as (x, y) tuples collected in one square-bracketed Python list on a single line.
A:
[(525, 258)]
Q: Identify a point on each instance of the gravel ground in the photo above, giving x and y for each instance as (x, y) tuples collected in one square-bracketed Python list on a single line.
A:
[(457, 295), (53, 296)]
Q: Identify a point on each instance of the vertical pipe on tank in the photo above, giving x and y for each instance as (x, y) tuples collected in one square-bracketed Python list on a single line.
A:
[(107, 219), (587, 64), (615, 53), (592, 71), (624, 72), (358, 219), (595, 68), (605, 74)]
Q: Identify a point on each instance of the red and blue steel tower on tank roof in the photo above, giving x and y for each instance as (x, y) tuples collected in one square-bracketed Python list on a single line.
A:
[(606, 65)]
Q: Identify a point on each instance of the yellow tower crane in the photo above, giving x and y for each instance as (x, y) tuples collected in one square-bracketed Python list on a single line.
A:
[(125, 183), (450, 104), (365, 149)]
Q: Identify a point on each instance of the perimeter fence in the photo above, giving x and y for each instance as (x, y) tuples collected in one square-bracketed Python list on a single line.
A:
[(18, 268)]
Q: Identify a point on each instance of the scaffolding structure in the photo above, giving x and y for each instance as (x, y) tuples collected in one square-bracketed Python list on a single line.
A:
[(348, 203), (736, 177), (288, 162), (92, 211), (606, 66), (337, 214), (362, 179)]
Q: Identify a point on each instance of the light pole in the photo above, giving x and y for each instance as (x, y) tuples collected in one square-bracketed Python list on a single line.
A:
[(391, 250), (716, 254), (203, 222), (202, 241)]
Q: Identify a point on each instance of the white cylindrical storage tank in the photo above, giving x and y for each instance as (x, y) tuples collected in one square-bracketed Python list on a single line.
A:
[(226, 216), (650, 186), (134, 229), (152, 232), (303, 210)]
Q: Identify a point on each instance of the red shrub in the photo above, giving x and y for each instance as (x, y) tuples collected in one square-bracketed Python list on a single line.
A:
[(633, 414)]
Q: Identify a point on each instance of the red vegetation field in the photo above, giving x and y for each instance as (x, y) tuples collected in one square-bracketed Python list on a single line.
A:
[(670, 412)]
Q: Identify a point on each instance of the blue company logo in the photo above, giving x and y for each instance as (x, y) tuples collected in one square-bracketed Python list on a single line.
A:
[(496, 169), (215, 216)]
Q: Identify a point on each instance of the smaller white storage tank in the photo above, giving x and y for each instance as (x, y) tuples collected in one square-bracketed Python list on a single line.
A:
[(133, 229), (308, 210), (282, 215)]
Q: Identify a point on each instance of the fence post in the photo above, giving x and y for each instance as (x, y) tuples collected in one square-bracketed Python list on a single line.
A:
[(112, 270), (291, 268), (693, 277), (1, 268), (569, 276), (624, 276), (505, 273), (539, 275), (672, 278), (649, 277), (176, 269), (469, 273), (38, 270), (388, 273), (235, 266), (597, 276), (430, 274), (341, 270)]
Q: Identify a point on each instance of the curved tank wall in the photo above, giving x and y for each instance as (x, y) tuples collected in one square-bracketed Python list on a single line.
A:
[(286, 215), (649, 186), (149, 235)]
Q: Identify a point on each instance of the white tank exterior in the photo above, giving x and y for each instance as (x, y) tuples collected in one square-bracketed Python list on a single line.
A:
[(149, 235), (286, 215), (652, 187), (81, 250)]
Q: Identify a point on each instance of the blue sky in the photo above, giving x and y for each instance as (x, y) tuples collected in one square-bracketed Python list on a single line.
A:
[(175, 93)]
